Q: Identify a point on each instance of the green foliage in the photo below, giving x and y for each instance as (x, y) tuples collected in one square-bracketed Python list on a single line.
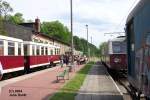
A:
[(16, 19), (5, 8), (2, 30), (57, 30), (102, 47), (81, 45), (69, 91)]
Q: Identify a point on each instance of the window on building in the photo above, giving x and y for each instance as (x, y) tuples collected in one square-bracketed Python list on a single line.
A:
[(36, 40), (38, 50), (19, 48), (1, 48), (11, 48)]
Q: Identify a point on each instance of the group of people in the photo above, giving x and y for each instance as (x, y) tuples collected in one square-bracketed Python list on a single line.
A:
[(66, 59)]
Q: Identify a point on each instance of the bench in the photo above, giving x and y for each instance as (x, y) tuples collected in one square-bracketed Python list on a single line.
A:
[(63, 74)]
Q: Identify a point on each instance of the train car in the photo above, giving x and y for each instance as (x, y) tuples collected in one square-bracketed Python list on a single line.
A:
[(11, 55), (39, 54), (115, 54), (16, 55), (138, 48), (54, 57)]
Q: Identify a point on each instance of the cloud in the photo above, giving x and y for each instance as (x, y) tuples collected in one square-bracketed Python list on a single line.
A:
[(101, 15)]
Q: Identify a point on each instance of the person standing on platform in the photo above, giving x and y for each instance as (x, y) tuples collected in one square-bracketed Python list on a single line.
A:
[(1, 71), (62, 60)]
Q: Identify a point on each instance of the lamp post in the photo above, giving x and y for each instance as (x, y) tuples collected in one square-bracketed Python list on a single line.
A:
[(87, 41), (71, 26)]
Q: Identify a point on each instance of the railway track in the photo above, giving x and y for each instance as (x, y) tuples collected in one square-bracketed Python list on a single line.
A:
[(122, 82)]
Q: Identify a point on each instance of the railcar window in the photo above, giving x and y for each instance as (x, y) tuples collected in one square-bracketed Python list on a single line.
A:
[(55, 51), (33, 49), (25, 49), (38, 50), (148, 39), (58, 51), (46, 51), (42, 50), (1, 48), (119, 47), (51, 52), (19, 48), (11, 48)]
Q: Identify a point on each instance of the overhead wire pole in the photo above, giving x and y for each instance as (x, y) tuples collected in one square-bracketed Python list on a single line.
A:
[(87, 41), (71, 26), (91, 49)]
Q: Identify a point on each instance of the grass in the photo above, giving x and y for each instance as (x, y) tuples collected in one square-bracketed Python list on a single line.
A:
[(69, 90)]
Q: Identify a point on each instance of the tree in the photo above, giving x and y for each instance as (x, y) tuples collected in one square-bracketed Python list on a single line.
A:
[(81, 45), (16, 19), (5, 8), (57, 30), (102, 47)]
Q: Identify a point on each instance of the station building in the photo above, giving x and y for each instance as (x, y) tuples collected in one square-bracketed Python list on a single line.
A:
[(31, 32)]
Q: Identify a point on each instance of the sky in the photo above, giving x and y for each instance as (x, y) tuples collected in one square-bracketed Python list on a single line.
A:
[(101, 16)]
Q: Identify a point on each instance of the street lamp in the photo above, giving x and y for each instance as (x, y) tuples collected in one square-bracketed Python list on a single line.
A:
[(87, 40)]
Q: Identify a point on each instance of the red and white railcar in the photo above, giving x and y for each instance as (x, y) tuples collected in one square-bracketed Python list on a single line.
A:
[(11, 54), (54, 55), (39, 54), (115, 54)]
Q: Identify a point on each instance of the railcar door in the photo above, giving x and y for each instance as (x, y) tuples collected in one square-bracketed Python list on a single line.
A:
[(131, 49)]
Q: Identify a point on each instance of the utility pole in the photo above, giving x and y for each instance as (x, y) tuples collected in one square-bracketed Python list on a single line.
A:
[(87, 41), (71, 26), (91, 43)]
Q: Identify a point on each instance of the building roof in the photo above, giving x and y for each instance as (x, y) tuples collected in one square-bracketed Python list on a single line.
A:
[(119, 39)]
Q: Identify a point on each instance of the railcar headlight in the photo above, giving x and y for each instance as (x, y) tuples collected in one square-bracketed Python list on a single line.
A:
[(117, 60)]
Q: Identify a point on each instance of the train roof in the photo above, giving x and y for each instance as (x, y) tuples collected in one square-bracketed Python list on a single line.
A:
[(137, 8), (119, 39)]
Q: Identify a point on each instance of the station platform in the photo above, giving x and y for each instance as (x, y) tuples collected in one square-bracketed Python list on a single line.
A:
[(35, 86), (99, 85)]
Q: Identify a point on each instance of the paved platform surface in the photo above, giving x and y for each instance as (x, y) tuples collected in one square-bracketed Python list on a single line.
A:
[(37, 86), (99, 85)]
